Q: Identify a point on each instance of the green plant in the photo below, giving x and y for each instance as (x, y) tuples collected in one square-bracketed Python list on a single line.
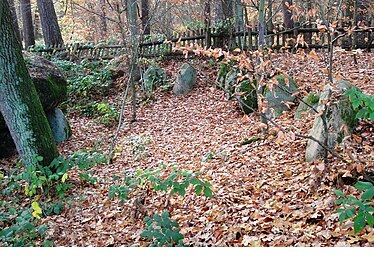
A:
[(361, 211), (362, 102), (162, 231), (175, 183), (21, 228)]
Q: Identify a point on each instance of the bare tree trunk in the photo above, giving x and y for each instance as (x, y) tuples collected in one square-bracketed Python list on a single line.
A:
[(134, 38), (27, 24), (51, 30), (15, 19), (146, 25), (207, 22), (287, 14), (103, 22), (19, 102)]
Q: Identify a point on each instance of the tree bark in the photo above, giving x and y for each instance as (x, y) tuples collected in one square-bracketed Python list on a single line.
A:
[(19, 102), (27, 24), (15, 19), (51, 30), (103, 22), (146, 26), (287, 14)]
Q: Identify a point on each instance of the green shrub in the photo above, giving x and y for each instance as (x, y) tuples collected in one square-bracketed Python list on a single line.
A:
[(162, 231), (175, 183), (40, 186), (362, 102), (361, 211)]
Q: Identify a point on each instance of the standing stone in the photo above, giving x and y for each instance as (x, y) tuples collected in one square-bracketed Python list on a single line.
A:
[(231, 82), (59, 125), (185, 80), (340, 119)]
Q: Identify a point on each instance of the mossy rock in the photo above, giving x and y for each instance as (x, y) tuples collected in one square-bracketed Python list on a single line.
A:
[(48, 79), (247, 96), (153, 75), (281, 94), (221, 76), (303, 108)]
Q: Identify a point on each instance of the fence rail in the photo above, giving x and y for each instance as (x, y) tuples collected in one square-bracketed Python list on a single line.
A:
[(277, 39)]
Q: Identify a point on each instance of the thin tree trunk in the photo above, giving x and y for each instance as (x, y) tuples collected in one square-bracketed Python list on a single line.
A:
[(51, 30), (19, 102), (27, 24), (207, 22), (103, 22), (146, 26)]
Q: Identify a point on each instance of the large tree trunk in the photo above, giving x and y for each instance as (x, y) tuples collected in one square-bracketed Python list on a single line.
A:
[(146, 25), (27, 24), (51, 30), (287, 14), (14, 19), (19, 102)]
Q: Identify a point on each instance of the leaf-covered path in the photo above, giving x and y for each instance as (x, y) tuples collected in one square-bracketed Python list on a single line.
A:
[(264, 192)]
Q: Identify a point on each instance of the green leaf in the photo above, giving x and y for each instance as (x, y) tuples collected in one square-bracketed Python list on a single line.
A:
[(350, 212), (359, 223), (208, 192), (339, 193), (368, 194), (342, 217), (198, 189), (369, 219), (363, 185)]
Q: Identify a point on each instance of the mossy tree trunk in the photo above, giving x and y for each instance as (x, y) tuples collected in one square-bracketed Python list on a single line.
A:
[(19, 102)]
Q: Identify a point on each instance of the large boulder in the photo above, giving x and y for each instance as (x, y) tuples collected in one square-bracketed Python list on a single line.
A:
[(340, 119), (48, 79), (185, 80), (153, 75), (282, 93)]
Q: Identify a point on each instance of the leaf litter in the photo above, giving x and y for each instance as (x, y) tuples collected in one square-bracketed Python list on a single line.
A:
[(264, 192)]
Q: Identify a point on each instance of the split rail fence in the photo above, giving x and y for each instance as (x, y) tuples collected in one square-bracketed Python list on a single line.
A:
[(246, 40)]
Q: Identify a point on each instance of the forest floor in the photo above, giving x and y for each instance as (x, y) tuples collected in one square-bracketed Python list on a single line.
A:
[(265, 194)]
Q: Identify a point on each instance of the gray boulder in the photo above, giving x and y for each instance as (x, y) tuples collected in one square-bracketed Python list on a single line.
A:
[(185, 80), (281, 94), (59, 125), (340, 119)]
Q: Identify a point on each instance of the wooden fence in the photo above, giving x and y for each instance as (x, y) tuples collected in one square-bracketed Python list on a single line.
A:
[(277, 39)]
